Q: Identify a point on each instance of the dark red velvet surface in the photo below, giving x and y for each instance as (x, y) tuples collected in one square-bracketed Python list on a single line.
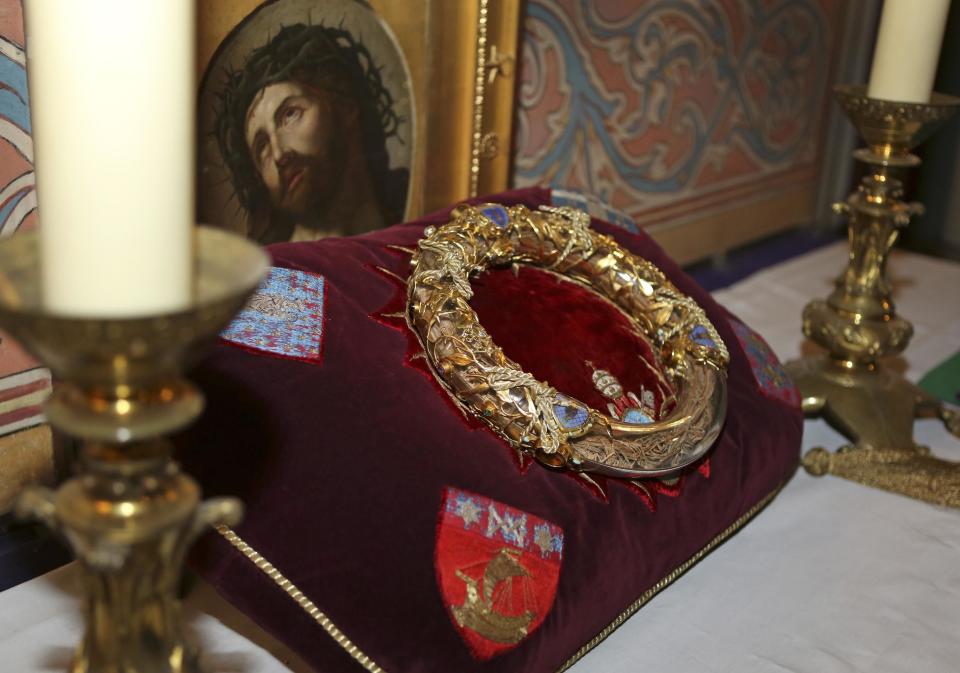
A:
[(560, 332), (342, 466)]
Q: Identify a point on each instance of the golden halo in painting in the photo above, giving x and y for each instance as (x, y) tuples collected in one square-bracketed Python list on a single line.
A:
[(306, 123)]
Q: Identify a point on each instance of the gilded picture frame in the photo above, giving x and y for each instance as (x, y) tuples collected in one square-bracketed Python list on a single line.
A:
[(447, 67)]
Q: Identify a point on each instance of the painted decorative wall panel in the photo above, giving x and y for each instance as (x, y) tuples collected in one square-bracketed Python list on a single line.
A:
[(669, 109), (23, 384)]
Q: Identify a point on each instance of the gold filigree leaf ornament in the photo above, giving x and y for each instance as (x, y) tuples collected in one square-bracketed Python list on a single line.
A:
[(560, 431)]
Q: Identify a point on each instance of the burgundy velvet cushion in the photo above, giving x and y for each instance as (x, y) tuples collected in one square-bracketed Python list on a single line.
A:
[(343, 464)]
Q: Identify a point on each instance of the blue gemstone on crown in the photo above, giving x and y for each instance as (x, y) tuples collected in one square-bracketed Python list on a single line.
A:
[(496, 214), (700, 335), (572, 416), (636, 417)]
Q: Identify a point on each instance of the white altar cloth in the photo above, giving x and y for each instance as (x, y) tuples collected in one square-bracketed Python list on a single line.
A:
[(832, 577)]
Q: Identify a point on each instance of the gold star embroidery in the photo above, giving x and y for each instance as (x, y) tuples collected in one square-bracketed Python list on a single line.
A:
[(468, 511)]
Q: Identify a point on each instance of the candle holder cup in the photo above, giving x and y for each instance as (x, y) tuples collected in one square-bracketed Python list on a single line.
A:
[(129, 515), (858, 325)]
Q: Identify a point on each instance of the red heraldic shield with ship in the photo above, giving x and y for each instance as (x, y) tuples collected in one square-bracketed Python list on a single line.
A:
[(497, 568)]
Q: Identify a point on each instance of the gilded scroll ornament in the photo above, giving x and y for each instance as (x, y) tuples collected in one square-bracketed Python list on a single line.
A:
[(529, 414)]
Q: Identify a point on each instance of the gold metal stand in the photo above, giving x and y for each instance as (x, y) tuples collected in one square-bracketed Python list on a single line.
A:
[(858, 325), (130, 515)]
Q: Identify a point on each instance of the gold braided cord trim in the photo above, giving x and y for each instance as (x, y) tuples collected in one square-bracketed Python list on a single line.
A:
[(305, 603), (912, 471), (357, 654), (668, 580)]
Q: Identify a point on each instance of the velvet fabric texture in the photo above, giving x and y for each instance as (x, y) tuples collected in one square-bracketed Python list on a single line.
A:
[(563, 333), (343, 464)]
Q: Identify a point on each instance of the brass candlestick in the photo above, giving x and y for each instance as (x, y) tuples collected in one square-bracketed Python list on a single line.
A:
[(130, 515), (858, 325)]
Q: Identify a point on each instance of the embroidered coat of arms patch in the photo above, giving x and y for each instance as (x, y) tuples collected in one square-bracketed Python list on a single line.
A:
[(771, 377), (497, 568), (284, 317)]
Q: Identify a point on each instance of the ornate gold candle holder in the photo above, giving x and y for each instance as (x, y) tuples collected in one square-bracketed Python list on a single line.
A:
[(858, 325), (130, 515)]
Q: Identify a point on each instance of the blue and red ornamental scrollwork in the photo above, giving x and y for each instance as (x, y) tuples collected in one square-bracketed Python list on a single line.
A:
[(664, 108)]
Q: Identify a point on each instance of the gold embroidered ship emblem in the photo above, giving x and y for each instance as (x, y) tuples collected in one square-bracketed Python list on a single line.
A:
[(479, 610)]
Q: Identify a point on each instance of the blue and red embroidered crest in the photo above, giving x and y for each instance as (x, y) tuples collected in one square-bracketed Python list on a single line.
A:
[(769, 374), (497, 568), (284, 317)]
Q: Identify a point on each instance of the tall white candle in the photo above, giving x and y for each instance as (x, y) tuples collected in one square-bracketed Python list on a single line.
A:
[(908, 47), (112, 105)]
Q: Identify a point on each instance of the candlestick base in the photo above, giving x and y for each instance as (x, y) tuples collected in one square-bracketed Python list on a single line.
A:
[(876, 408), (873, 406), (129, 529), (130, 515)]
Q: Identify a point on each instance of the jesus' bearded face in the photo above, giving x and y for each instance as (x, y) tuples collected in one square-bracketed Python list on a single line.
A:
[(296, 137)]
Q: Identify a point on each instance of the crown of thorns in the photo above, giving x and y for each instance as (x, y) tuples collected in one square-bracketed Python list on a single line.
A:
[(305, 53)]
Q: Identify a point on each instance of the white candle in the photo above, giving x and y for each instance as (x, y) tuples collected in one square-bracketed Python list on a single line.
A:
[(112, 106), (907, 51)]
